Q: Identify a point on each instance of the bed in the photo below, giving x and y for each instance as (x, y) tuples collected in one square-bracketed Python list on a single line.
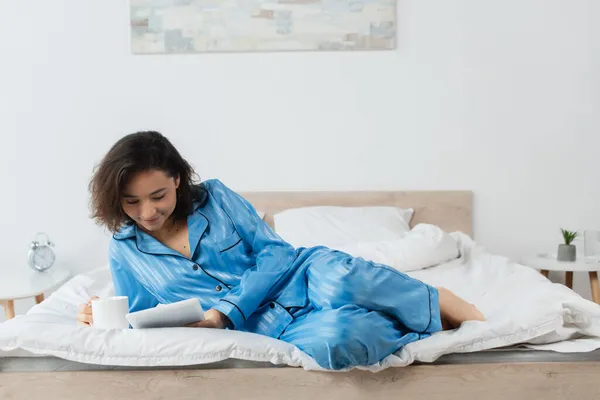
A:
[(561, 361)]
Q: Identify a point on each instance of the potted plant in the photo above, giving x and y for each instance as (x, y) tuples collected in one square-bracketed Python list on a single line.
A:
[(567, 251)]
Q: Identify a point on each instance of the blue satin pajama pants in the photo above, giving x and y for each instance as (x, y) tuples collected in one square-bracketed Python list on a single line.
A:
[(360, 312)]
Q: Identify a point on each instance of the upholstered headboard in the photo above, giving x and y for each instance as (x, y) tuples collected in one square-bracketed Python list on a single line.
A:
[(450, 210)]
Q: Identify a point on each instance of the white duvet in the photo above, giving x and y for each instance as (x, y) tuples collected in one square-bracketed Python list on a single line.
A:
[(522, 307)]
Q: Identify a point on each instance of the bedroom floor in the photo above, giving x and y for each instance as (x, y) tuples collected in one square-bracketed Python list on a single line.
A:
[(560, 380), (498, 374)]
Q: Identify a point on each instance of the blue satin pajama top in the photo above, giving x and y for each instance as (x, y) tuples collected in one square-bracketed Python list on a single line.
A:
[(238, 265)]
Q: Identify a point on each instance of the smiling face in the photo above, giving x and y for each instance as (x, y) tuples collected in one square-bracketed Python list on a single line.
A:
[(149, 198)]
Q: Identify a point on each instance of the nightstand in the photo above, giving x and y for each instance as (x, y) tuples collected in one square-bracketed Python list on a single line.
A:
[(546, 263), (25, 283)]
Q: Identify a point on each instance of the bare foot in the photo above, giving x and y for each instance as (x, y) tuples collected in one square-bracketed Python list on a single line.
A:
[(454, 310)]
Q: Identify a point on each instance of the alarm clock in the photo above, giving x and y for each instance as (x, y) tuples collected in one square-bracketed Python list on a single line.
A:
[(41, 255)]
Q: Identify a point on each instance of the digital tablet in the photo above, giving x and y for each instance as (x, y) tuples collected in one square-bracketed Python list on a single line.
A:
[(167, 315)]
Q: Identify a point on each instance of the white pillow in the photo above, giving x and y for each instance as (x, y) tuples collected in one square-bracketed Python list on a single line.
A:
[(423, 247), (334, 226)]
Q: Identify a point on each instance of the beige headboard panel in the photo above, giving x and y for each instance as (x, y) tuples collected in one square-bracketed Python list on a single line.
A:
[(450, 210)]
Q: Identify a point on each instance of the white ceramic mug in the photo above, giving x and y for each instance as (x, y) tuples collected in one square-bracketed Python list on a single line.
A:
[(110, 312)]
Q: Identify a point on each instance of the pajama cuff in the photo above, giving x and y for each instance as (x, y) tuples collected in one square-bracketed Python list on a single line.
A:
[(435, 319), (232, 312)]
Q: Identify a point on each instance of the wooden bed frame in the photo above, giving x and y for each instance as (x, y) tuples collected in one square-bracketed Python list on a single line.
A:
[(451, 210)]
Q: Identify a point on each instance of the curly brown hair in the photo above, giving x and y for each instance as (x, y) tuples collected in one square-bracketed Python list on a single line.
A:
[(137, 152)]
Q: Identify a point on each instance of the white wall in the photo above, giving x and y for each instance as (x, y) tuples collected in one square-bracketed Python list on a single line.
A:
[(499, 97)]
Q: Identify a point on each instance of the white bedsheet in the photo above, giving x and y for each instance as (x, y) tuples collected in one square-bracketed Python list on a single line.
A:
[(521, 305)]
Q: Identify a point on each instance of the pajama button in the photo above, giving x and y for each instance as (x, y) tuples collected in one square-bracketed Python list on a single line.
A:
[(272, 305), (195, 267), (219, 288)]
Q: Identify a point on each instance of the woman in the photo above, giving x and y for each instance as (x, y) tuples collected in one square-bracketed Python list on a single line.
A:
[(173, 240)]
